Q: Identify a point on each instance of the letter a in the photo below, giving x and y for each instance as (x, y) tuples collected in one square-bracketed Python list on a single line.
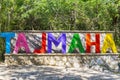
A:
[(21, 42), (109, 43), (78, 45)]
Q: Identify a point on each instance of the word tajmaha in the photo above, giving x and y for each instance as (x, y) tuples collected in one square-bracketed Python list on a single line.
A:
[(65, 42)]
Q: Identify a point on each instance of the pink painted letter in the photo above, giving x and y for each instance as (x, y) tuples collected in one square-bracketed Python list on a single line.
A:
[(21, 42)]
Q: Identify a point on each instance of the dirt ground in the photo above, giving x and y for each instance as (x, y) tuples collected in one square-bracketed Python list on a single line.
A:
[(32, 72)]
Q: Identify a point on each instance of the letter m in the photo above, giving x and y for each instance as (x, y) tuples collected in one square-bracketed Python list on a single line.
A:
[(62, 39)]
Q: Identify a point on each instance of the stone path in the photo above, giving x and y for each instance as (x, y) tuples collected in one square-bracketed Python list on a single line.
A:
[(32, 72)]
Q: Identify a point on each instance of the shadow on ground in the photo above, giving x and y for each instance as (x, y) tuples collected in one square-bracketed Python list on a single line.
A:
[(49, 73), (37, 73)]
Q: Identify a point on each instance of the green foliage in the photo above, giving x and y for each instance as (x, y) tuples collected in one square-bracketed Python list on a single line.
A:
[(60, 15)]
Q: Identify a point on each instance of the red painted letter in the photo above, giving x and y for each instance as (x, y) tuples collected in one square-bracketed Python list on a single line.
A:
[(89, 43), (43, 46)]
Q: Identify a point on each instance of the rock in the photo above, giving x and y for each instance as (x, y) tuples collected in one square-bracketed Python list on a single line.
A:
[(52, 62), (76, 65), (95, 62), (46, 61), (64, 59), (97, 67), (60, 63), (68, 64), (32, 78), (99, 61), (70, 59), (114, 65), (57, 58)]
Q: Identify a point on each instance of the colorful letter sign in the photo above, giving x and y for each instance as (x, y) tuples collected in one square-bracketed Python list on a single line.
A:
[(59, 42), (21, 42), (7, 36), (62, 39), (76, 43), (43, 46), (109, 43), (96, 43)]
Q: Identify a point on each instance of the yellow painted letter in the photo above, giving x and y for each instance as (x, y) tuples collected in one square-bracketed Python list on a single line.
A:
[(109, 43)]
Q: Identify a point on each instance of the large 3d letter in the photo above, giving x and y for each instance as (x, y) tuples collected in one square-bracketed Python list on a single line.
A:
[(62, 39), (109, 43), (43, 46), (96, 43), (21, 42), (7, 36), (76, 43)]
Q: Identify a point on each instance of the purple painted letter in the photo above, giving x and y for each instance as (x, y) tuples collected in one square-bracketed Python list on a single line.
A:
[(62, 39)]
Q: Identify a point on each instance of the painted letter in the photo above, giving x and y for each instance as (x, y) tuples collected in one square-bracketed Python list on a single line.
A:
[(43, 46), (76, 43), (62, 39), (7, 36), (21, 42), (89, 43), (109, 43)]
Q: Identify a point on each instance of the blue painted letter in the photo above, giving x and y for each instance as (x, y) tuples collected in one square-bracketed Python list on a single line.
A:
[(7, 36)]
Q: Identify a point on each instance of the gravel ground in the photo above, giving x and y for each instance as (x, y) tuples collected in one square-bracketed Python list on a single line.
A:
[(32, 72)]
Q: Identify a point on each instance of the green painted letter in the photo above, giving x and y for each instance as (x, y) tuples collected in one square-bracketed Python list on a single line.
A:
[(76, 43)]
